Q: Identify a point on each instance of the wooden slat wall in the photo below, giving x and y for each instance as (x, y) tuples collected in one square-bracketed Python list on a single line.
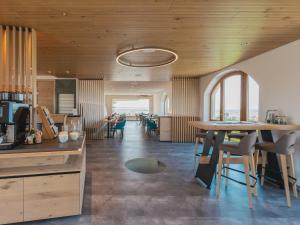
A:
[(46, 94), (185, 107), (91, 107), (17, 59)]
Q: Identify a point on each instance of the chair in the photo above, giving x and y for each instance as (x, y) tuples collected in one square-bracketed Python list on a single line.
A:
[(243, 152), (119, 126), (151, 126), (284, 147), (235, 135)]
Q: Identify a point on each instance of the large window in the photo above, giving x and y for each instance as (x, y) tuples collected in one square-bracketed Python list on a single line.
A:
[(130, 107), (235, 98)]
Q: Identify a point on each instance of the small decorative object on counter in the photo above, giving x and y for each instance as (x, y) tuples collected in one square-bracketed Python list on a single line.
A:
[(75, 130), (74, 135), (30, 137), (63, 136), (38, 137)]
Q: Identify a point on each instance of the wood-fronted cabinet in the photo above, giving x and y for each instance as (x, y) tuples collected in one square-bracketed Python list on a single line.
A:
[(40, 197), (165, 128), (11, 200), (51, 196)]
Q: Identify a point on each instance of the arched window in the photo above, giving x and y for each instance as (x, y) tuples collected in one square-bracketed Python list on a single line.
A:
[(234, 98)]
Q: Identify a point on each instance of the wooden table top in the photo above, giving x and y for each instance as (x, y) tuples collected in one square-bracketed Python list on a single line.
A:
[(216, 125)]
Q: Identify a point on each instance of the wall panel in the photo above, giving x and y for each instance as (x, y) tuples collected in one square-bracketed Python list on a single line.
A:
[(91, 107), (17, 60), (185, 107)]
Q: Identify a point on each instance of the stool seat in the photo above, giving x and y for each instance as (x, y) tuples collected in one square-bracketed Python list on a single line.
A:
[(266, 146), (201, 135), (229, 146), (236, 135)]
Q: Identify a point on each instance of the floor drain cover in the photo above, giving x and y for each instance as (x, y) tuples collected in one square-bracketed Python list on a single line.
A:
[(144, 165)]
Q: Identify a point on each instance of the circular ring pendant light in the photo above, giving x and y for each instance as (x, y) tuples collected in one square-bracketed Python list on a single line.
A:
[(146, 57)]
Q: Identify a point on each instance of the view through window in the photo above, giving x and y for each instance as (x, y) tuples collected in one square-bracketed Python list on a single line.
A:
[(227, 98), (253, 100), (130, 107)]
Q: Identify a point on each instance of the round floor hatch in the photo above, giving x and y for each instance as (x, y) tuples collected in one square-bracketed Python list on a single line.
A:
[(145, 165)]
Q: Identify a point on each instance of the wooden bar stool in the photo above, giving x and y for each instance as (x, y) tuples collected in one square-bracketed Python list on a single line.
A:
[(236, 135), (284, 148), (199, 139), (243, 154)]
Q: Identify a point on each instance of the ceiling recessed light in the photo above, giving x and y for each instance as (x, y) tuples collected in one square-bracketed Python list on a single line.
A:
[(67, 71), (64, 13), (49, 71)]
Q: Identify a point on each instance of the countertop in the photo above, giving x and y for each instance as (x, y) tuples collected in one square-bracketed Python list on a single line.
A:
[(48, 147)]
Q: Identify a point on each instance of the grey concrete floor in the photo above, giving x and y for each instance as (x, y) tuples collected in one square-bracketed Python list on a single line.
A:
[(115, 195)]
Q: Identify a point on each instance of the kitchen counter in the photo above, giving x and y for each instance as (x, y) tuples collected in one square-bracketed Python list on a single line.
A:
[(48, 147), (42, 181)]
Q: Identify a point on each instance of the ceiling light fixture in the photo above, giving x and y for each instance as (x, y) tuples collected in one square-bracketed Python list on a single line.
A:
[(129, 57)]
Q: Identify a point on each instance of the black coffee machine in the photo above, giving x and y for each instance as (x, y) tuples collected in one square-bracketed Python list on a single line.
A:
[(14, 119)]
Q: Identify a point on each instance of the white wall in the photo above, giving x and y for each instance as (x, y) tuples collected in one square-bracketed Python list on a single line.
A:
[(157, 109), (277, 73)]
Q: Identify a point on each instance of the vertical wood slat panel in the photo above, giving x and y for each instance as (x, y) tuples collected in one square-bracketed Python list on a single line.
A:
[(1, 57), (91, 102), (17, 58), (185, 107), (6, 58)]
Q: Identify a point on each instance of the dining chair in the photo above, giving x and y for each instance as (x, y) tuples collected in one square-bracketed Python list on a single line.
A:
[(119, 126), (284, 148), (239, 153), (235, 135)]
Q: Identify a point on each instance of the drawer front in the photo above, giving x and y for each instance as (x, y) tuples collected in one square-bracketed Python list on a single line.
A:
[(11, 200), (51, 196)]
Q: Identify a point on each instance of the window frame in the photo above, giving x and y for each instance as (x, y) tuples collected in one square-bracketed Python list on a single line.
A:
[(244, 95)]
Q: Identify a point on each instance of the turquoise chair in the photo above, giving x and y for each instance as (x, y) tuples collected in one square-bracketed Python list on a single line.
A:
[(151, 126), (119, 126)]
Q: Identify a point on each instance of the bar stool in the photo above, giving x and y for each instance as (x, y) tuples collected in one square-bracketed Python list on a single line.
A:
[(199, 138), (284, 148), (243, 152), (236, 135)]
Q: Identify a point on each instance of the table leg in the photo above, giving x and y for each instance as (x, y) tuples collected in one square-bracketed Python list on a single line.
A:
[(205, 172), (108, 130)]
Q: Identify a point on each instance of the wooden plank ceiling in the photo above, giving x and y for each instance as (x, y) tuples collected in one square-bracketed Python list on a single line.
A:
[(83, 36)]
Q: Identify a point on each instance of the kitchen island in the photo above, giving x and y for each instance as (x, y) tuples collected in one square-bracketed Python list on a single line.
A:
[(42, 181)]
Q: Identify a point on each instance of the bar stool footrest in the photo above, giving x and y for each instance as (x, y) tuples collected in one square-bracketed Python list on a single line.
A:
[(237, 181)]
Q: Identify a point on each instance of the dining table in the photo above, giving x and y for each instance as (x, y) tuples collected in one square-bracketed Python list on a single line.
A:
[(217, 129)]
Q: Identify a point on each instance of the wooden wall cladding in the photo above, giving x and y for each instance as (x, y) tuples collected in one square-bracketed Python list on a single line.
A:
[(185, 107), (91, 107), (46, 94), (186, 96), (17, 59), (181, 131)]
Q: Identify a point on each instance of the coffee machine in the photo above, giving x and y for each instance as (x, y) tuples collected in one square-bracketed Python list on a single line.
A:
[(14, 119)]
